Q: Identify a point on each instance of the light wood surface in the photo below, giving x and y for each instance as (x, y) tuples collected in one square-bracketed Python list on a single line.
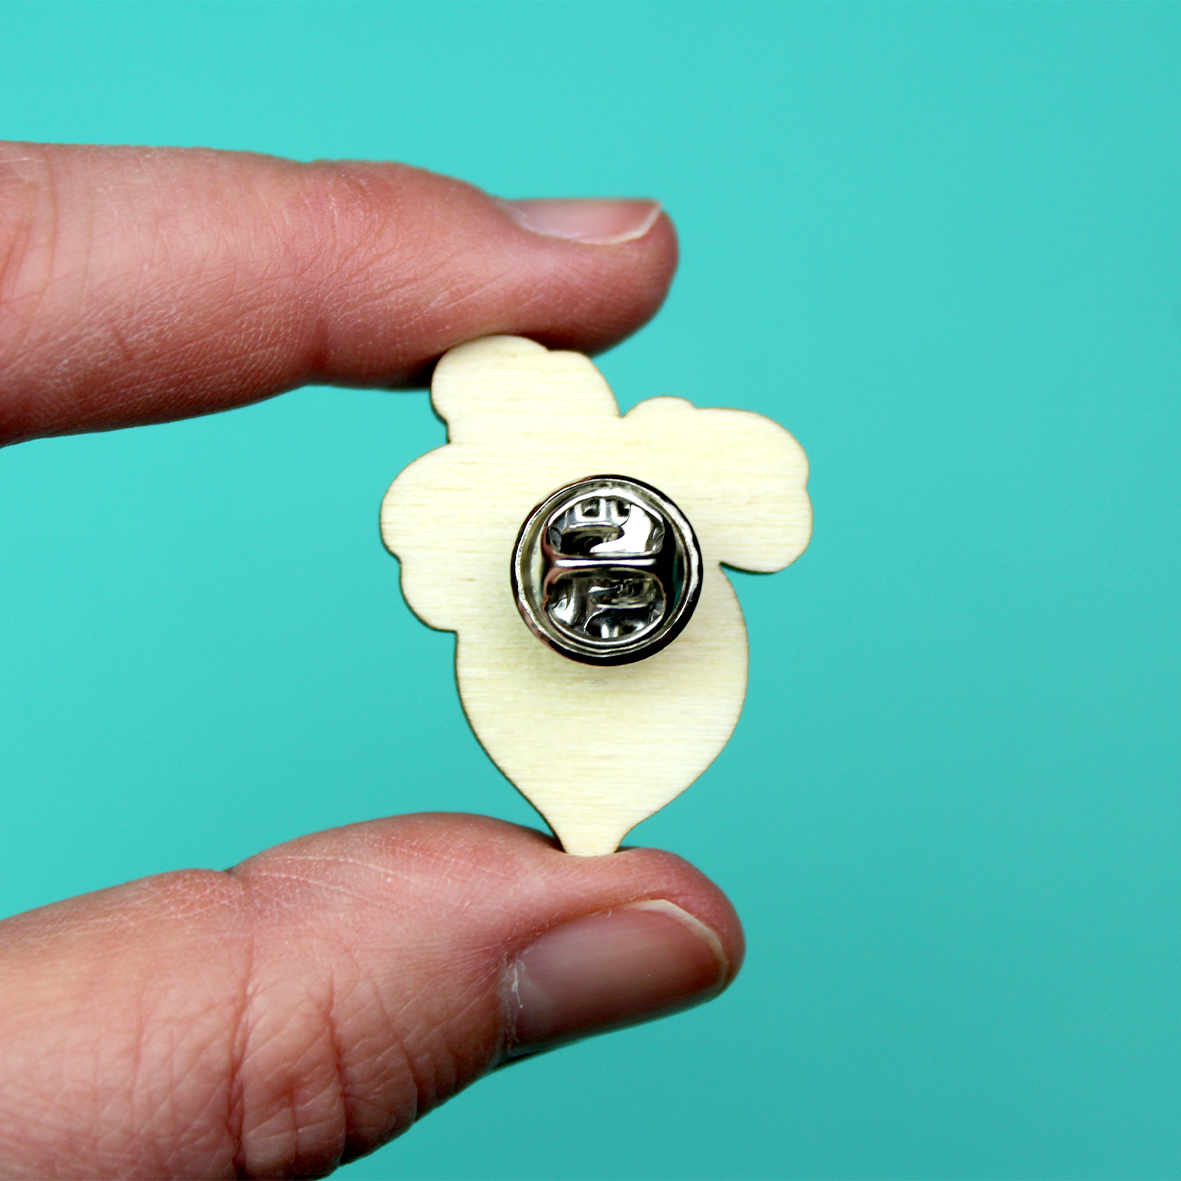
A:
[(595, 749)]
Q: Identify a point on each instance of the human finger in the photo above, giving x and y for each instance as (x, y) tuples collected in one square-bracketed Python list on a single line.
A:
[(139, 285), (300, 1010)]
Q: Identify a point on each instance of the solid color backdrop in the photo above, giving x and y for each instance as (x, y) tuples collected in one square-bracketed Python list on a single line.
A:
[(942, 245)]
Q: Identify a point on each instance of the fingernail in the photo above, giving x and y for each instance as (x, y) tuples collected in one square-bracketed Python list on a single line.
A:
[(612, 969), (597, 221)]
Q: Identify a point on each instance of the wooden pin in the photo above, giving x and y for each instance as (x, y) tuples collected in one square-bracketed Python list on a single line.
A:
[(550, 535)]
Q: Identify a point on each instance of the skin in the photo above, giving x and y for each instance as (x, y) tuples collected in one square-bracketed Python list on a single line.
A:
[(306, 1006)]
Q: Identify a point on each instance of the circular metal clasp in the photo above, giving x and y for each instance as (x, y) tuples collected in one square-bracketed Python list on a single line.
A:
[(606, 570)]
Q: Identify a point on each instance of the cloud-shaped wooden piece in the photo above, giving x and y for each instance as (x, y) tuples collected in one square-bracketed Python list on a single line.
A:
[(595, 749)]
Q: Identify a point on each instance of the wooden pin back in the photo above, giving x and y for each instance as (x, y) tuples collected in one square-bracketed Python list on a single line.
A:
[(549, 534)]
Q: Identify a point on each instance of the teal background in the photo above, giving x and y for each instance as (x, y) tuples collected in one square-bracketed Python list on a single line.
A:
[(942, 245)]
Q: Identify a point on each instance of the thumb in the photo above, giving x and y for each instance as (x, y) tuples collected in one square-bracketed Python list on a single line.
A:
[(305, 1007)]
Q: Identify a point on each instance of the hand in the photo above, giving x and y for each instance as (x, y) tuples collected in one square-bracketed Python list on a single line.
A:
[(302, 1008)]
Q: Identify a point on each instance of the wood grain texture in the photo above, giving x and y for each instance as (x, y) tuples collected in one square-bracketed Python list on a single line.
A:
[(595, 749)]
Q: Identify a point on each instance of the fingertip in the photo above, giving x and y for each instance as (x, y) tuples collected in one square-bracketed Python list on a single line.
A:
[(614, 968), (626, 284), (693, 891)]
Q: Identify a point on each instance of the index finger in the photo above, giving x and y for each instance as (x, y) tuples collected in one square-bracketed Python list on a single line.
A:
[(140, 285)]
